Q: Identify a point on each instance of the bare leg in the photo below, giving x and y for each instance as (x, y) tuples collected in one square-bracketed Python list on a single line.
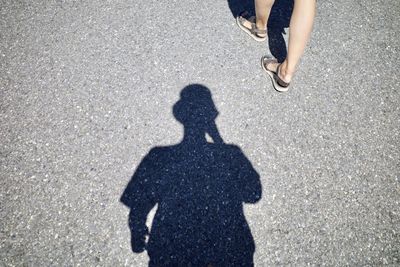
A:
[(300, 29), (263, 9)]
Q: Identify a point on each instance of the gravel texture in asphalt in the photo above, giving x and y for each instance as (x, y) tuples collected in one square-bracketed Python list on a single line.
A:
[(88, 89)]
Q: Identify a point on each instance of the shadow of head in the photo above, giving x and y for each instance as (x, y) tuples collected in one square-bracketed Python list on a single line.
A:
[(197, 112), (195, 108)]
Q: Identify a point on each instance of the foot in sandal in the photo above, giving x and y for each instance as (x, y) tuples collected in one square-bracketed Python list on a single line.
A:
[(280, 78), (248, 25)]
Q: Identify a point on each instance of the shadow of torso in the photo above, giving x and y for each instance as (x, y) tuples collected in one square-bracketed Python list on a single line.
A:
[(200, 190)]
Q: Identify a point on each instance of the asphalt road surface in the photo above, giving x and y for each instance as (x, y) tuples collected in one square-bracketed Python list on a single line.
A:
[(88, 89)]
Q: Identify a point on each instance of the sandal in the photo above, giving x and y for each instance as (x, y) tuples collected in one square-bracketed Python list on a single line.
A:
[(253, 31), (279, 84)]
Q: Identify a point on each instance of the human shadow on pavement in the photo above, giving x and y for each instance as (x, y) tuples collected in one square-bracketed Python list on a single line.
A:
[(199, 188), (279, 19)]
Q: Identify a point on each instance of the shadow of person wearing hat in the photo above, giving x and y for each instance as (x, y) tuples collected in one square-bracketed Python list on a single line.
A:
[(200, 188)]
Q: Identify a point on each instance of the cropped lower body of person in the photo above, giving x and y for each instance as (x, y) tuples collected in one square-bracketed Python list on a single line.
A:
[(300, 28)]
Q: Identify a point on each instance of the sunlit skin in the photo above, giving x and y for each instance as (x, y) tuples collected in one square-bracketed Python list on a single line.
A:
[(301, 24)]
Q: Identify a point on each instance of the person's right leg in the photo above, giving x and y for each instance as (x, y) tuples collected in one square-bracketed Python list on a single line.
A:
[(301, 24)]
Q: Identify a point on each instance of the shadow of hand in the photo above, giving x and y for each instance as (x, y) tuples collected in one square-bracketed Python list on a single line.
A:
[(138, 240)]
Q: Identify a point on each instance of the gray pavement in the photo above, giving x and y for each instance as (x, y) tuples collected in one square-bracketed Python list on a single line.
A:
[(87, 89)]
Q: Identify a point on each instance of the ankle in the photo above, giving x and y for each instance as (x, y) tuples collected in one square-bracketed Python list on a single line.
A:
[(285, 73), (261, 25)]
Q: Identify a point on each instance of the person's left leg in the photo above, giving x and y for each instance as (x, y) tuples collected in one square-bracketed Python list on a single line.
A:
[(263, 9)]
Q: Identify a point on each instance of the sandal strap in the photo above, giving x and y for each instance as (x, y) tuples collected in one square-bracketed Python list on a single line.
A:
[(255, 30), (278, 79)]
